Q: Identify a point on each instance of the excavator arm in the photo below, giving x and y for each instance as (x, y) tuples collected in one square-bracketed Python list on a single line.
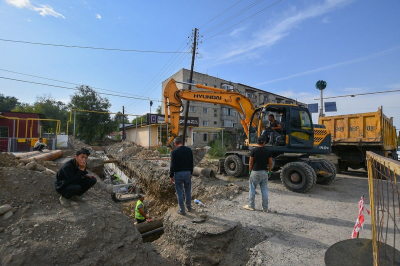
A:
[(173, 103)]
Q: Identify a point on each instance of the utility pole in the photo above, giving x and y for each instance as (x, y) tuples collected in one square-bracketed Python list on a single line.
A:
[(190, 86), (123, 122)]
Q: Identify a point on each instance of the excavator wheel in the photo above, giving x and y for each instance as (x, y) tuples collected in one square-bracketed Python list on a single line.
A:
[(330, 167), (298, 177), (233, 165)]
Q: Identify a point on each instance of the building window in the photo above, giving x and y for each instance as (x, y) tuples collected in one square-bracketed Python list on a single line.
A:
[(205, 123), (188, 81), (250, 95), (215, 122), (3, 132), (205, 137), (227, 87), (193, 136), (215, 136), (191, 109), (234, 125), (288, 102), (228, 123), (205, 110), (228, 111), (205, 84), (215, 110), (215, 115)]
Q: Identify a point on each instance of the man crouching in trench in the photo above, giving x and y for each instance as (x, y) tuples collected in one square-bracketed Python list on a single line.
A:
[(72, 180)]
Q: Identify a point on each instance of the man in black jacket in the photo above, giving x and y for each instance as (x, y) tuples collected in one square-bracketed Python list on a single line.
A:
[(181, 174), (72, 179)]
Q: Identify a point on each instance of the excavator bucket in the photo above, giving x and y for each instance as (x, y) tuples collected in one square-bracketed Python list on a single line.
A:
[(198, 154)]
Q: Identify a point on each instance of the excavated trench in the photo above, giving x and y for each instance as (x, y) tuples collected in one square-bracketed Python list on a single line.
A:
[(199, 238)]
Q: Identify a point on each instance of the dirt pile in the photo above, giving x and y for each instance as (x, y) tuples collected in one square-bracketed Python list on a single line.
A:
[(200, 238), (153, 178), (128, 150), (7, 159), (39, 231)]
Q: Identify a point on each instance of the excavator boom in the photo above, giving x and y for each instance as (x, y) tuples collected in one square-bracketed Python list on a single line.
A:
[(173, 103)]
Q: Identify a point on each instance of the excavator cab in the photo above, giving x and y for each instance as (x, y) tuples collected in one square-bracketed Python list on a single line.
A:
[(296, 131)]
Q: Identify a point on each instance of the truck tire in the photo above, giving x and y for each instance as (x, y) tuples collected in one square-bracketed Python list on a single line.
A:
[(233, 165), (298, 177), (330, 167)]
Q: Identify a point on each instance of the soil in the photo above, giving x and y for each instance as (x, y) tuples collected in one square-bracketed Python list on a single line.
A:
[(42, 232), (7, 160)]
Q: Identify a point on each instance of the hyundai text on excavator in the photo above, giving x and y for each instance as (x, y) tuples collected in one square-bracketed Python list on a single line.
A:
[(291, 151)]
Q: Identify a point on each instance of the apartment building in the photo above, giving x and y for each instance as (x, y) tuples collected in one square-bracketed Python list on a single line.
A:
[(214, 116)]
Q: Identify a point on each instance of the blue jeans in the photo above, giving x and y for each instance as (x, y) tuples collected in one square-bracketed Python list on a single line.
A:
[(258, 177), (183, 184)]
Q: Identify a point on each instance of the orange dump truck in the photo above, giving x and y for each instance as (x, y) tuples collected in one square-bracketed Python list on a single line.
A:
[(354, 134)]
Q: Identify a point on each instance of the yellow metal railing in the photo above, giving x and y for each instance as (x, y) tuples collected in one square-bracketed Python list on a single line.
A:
[(384, 196)]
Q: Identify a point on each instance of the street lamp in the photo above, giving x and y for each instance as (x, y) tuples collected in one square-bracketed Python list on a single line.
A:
[(321, 85)]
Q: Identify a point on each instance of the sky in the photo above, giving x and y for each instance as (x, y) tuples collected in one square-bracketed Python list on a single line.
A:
[(281, 46)]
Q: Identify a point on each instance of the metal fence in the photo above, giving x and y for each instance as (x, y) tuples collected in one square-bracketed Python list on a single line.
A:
[(383, 177)]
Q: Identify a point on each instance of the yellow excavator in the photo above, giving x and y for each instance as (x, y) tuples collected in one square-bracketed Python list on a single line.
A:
[(291, 151)]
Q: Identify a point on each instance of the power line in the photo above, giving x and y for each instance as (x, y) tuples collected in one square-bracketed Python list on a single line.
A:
[(151, 81), (176, 64), (62, 87), (233, 16), (90, 47), (167, 70), (244, 19), (66, 82), (354, 95), (220, 14)]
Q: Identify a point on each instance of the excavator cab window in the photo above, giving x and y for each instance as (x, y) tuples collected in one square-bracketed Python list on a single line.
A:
[(256, 126), (301, 129)]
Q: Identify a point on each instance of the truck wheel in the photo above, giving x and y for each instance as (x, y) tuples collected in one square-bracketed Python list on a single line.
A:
[(233, 165), (298, 177), (330, 167)]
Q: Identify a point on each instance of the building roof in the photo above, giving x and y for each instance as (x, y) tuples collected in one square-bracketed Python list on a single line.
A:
[(250, 87)]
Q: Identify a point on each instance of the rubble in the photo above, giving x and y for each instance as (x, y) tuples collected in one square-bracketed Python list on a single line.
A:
[(39, 231)]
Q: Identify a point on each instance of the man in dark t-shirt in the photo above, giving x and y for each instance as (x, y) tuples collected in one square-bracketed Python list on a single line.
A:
[(274, 129), (260, 167), (180, 174)]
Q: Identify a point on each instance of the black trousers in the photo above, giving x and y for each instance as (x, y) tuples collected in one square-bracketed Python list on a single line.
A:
[(139, 221), (83, 185), (40, 147)]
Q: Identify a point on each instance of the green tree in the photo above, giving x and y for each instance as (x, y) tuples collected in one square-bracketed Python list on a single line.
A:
[(158, 110), (90, 126), (7, 103), (48, 106)]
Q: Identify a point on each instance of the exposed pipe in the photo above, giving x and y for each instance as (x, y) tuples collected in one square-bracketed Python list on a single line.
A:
[(152, 232)]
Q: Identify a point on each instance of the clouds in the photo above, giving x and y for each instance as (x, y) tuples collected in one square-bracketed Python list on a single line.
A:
[(98, 16), (269, 36), (43, 10), (349, 62)]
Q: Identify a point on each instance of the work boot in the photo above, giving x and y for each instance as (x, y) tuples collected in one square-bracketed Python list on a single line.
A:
[(181, 213), (77, 198), (65, 202), (190, 209)]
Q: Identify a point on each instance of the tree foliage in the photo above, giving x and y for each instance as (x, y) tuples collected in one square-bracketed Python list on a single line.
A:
[(7, 103), (91, 126), (48, 106)]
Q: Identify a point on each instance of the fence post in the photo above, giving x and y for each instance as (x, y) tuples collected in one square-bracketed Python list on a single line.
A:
[(372, 206)]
